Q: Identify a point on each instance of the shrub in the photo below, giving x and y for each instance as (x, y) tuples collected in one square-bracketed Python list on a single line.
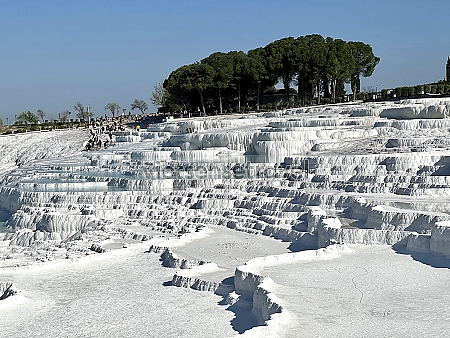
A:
[(418, 89), (427, 89), (361, 96), (404, 92)]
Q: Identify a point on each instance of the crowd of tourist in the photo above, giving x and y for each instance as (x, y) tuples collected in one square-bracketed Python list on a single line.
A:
[(100, 128)]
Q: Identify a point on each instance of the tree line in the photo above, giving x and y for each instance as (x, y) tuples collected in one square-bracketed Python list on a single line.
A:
[(82, 113), (319, 67)]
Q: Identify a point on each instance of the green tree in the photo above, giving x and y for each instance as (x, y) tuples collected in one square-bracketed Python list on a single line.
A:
[(317, 65), (257, 74), (302, 68), (113, 107), (82, 113), (223, 73), (175, 98), (41, 114), (418, 89), (338, 64), (239, 63), (282, 56), (139, 104), (398, 91), (198, 77), (318, 51), (363, 63), (27, 117), (186, 86)]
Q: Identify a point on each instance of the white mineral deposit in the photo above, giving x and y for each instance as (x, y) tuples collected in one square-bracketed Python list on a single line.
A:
[(329, 221)]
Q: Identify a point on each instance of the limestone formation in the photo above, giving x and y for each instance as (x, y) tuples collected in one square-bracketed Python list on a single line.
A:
[(319, 178)]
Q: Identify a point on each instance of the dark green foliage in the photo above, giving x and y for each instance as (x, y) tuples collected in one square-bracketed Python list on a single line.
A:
[(223, 75), (363, 96), (418, 89), (27, 117), (282, 58), (363, 63), (317, 64), (337, 69), (318, 67), (404, 92)]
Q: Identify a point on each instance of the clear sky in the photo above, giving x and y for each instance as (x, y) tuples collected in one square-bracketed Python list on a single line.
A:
[(54, 53)]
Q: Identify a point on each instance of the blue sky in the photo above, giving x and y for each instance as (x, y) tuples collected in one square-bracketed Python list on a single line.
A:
[(54, 53)]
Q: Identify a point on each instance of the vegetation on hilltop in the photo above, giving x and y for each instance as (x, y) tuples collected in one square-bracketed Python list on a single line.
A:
[(440, 88), (319, 68), (27, 117)]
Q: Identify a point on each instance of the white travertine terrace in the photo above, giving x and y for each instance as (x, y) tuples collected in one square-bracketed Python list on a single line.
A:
[(324, 180)]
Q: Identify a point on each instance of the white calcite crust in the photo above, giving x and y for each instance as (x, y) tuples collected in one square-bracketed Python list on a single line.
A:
[(316, 180)]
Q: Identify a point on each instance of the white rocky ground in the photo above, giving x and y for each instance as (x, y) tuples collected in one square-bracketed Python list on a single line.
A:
[(316, 222)]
